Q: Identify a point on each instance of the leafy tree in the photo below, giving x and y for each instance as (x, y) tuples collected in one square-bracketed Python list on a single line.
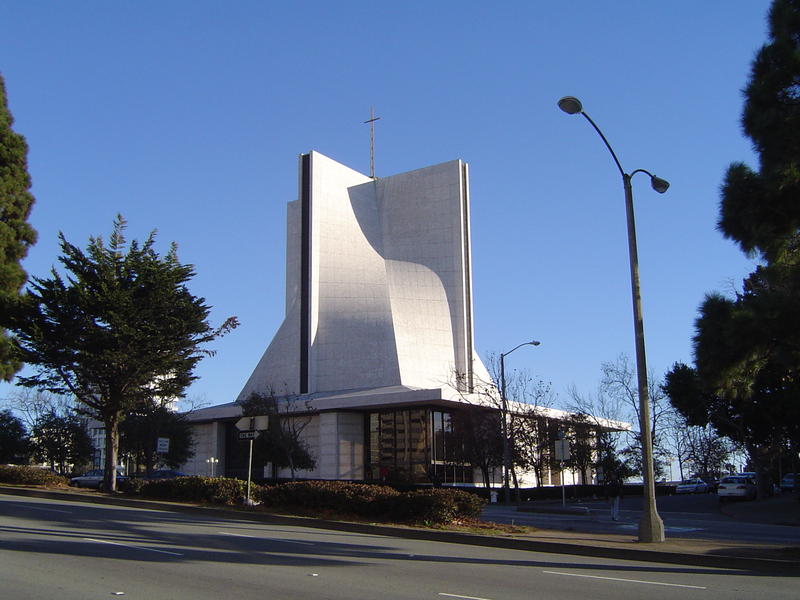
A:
[(479, 439), (746, 375), (16, 235), (13, 438), (479, 425), (533, 443), (619, 384), (32, 405), (61, 441), (119, 330), (582, 444), (282, 444), (141, 428)]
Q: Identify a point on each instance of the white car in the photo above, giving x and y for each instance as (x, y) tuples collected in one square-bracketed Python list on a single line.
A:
[(692, 486), (736, 486)]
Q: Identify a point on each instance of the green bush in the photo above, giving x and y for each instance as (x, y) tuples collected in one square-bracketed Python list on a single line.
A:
[(432, 506), (206, 490), (21, 475), (337, 496), (441, 505)]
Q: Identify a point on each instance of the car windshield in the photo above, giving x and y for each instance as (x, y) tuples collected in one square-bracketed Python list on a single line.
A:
[(734, 480)]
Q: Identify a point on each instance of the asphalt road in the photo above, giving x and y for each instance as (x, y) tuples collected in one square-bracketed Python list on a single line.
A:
[(695, 516), (71, 550)]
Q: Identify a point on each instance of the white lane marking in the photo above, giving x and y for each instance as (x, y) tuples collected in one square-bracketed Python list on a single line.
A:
[(130, 546), (267, 538), (66, 512), (466, 597), (680, 585)]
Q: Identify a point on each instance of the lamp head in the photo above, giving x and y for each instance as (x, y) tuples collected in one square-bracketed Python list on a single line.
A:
[(570, 105), (658, 184), (534, 342)]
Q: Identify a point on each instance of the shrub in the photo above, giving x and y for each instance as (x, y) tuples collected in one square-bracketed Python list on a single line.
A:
[(22, 475), (338, 496), (441, 505), (373, 501), (207, 490)]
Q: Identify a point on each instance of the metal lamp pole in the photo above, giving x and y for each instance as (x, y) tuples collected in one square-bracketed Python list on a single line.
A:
[(651, 527), (504, 425)]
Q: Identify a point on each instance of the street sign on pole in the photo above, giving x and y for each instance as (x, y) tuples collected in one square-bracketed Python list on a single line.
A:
[(163, 445), (249, 429), (562, 450)]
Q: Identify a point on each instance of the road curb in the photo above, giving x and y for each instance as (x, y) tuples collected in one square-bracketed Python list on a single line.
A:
[(642, 553)]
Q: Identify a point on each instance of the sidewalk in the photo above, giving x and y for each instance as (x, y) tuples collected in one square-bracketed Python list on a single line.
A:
[(708, 553)]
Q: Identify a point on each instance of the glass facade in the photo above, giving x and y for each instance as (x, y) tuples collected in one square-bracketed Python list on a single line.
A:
[(413, 446)]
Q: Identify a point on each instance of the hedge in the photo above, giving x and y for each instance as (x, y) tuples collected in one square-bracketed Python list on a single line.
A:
[(431, 506), (438, 505), (23, 475), (207, 490), (337, 496), (341, 498)]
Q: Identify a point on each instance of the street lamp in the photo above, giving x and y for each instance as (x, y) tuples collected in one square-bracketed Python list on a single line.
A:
[(213, 463), (651, 527), (504, 426)]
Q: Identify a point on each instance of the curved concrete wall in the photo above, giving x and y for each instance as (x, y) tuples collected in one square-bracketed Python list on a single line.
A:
[(384, 290)]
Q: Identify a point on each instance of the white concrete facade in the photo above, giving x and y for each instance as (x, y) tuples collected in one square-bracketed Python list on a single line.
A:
[(378, 319), (378, 284)]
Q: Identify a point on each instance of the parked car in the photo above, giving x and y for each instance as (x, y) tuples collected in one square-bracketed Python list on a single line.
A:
[(736, 486), (166, 474), (94, 479), (788, 482), (692, 486), (159, 474)]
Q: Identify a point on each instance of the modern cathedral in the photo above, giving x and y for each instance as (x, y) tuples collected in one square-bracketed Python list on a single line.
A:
[(375, 353)]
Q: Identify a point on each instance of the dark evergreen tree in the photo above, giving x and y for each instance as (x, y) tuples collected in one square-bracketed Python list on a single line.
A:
[(16, 235), (282, 444), (746, 375), (61, 441), (13, 438), (142, 427), (121, 329)]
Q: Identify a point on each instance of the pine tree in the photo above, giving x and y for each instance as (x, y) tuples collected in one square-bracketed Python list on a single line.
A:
[(121, 329), (761, 210), (746, 376), (16, 235)]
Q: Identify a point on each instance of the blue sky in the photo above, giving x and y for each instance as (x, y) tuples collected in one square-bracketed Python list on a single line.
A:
[(188, 116)]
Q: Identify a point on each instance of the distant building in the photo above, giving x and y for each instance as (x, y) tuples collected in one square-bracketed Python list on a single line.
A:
[(376, 348)]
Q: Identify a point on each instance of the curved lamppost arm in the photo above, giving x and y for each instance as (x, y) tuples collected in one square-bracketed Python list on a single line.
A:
[(531, 343), (605, 141)]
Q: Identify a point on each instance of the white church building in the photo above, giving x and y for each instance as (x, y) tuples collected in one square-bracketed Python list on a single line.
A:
[(376, 348)]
